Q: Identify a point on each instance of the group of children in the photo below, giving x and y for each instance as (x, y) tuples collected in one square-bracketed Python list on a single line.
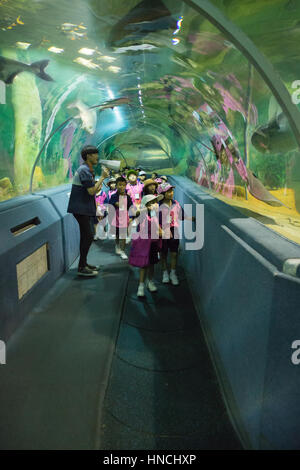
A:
[(146, 213)]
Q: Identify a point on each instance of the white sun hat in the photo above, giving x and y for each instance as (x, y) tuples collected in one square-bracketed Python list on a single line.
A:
[(149, 198)]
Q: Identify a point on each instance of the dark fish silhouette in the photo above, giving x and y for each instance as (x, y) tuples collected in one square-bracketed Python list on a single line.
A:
[(144, 18), (10, 68), (115, 102), (274, 137), (257, 189)]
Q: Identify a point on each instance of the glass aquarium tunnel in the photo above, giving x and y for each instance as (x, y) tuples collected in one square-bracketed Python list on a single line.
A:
[(205, 92), (197, 105)]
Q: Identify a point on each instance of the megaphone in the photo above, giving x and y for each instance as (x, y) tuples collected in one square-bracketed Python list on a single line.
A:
[(111, 164)]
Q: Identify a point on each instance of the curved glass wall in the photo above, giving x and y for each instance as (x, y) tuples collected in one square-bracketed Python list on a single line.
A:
[(273, 26), (191, 103)]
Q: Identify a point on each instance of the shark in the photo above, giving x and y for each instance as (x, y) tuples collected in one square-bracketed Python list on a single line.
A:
[(10, 68), (146, 17), (115, 102)]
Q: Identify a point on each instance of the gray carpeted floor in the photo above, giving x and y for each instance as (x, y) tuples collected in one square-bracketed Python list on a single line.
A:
[(53, 384), (163, 393), (94, 367)]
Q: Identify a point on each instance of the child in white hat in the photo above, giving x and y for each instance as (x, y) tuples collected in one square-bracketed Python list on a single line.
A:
[(170, 214), (142, 176), (146, 243)]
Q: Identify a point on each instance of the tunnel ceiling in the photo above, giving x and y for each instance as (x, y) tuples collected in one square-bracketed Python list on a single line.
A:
[(178, 71)]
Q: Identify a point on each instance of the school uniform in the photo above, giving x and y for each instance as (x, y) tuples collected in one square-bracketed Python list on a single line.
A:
[(107, 203), (120, 219), (169, 217), (145, 243), (100, 201), (135, 192), (109, 195)]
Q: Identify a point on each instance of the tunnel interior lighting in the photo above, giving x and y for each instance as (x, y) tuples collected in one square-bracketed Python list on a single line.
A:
[(86, 51), (55, 50)]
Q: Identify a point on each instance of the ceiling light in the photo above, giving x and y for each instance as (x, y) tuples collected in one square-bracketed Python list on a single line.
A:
[(87, 63), (107, 58), (114, 69), (110, 93), (68, 26), (86, 51), (23, 45), (56, 50), (179, 22), (141, 47)]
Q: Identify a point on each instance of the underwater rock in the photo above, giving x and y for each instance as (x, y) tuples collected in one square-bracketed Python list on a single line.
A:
[(5, 184), (66, 144), (28, 126), (38, 178)]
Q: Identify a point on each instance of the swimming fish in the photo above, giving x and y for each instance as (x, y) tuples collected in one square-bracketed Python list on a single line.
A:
[(258, 190), (180, 59), (144, 18), (120, 101), (88, 116), (117, 102), (67, 26), (274, 137), (144, 27), (9, 68)]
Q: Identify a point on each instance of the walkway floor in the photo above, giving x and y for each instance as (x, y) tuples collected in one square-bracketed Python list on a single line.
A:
[(94, 367)]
